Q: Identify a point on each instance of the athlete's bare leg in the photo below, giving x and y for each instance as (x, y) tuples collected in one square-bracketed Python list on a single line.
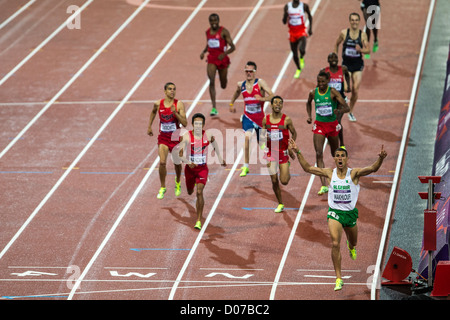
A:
[(211, 72), (356, 82), (273, 167), (163, 152), (200, 201), (335, 229)]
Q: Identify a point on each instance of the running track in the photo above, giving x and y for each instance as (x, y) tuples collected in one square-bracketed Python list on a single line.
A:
[(80, 218)]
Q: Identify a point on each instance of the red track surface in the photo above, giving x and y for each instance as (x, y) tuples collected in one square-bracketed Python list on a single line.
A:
[(239, 253)]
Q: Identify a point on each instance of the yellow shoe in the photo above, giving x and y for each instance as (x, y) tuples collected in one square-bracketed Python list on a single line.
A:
[(244, 171), (161, 193), (339, 284), (198, 225), (177, 188), (322, 190), (279, 208), (302, 63), (352, 252), (297, 73)]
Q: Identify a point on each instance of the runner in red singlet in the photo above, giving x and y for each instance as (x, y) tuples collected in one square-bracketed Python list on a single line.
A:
[(218, 45), (171, 114), (294, 16), (196, 169), (278, 126), (254, 93), (339, 79)]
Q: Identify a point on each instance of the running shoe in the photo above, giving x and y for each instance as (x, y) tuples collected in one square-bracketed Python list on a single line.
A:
[(161, 193), (244, 171), (375, 46), (352, 252), (302, 63), (339, 284), (279, 208), (297, 73), (367, 56), (213, 112), (177, 188), (351, 117), (198, 225), (323, 190)]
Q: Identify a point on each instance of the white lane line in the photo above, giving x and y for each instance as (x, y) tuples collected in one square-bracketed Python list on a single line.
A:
[(224, 187), (408, 120), (12, 17), (6, 104), (302, 205), (43, 43), (86, 148), (72, 80), (141, 185)]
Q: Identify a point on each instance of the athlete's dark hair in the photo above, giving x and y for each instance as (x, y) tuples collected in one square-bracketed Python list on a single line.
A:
[(214, 15), (168, 84), (251, 63), (322, 73), (353, 14), (341, 149), (198, 115), (332, 54), (276, 97)]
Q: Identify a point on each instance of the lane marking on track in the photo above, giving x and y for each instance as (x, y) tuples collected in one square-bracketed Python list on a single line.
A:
[(43, 43), (13, 16), (376, 276), (141, 185), (89, 102), (75, 76), (302, 205), (86, 148), (232, 171)]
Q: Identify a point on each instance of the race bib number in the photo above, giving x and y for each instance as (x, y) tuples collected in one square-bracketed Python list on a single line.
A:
[(295, 21), (342, 196), (275, 135), (253, 108), (324, 111), (198, 159), (168, 127), (214, 43), (351, 52)]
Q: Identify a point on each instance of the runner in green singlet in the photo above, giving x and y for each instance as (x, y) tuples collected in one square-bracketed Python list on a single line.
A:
[(328, 103)]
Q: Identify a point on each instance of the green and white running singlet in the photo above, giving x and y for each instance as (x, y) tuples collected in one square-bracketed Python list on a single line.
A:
[(342, 198), (325, 106)]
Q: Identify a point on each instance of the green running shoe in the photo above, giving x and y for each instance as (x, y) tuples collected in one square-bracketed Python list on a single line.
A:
[(213, 112), (279, 208), (339, 284), (244, 171), (177, 188), (375, 46), (198, 225), (297, 73), (352, 252), (323, 190), (161, 193)]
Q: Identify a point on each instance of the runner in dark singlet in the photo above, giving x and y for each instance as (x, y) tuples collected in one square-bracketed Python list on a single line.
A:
[(339, 79), (354, 45)]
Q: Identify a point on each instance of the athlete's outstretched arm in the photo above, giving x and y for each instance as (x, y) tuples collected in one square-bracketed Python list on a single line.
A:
[(321, 172), (359, 172)]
